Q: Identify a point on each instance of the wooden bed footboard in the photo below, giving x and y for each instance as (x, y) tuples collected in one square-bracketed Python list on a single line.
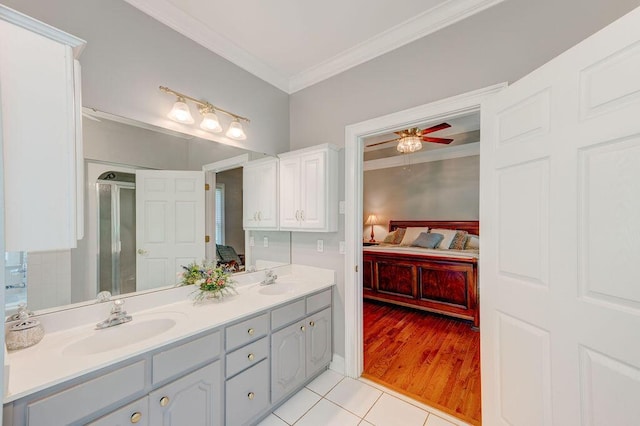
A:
[(444, 285)]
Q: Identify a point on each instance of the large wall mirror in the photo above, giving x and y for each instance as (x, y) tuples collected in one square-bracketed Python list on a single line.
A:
[(117, 152)]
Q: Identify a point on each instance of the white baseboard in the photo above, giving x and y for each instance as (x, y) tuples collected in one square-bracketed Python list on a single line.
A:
[(337, 364)]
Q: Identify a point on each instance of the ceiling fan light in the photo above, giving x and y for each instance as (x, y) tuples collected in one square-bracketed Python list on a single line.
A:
[(235, 131), (180, 112), (409, 144), (210, 122)]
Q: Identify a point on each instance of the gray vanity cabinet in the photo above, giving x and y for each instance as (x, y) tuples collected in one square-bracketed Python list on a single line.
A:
[(301, 350), (191, 400), (135, 413)]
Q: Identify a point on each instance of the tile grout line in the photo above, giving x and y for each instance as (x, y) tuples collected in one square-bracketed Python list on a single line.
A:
[(372, 405)]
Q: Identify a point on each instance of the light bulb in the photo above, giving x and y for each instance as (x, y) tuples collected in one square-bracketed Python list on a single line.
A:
[(235, 131), (210, 122), (180, 112)]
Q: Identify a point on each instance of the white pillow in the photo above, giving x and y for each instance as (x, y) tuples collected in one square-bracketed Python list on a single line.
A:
[(448, 235), (413, 233)]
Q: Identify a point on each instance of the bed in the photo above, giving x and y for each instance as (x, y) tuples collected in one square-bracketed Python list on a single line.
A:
[(440, 281)]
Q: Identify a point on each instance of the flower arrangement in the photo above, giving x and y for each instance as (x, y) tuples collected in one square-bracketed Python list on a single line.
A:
[(212, 281)]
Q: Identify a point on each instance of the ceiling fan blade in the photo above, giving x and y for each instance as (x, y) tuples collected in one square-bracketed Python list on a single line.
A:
[(381, 143), (436, 128), (437, 140)]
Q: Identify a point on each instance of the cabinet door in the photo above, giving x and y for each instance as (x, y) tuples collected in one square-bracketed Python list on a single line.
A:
[(135, 413), (318, 344), (194, 399), (260, 195), (287, 360), (290, 193), (313, 194)]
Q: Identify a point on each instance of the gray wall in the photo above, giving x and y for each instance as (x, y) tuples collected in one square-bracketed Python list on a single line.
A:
[(500, 44), (129, 54), (233, 232), (439, 190)]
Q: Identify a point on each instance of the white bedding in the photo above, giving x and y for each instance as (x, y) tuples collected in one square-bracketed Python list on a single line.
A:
[(463, 254)]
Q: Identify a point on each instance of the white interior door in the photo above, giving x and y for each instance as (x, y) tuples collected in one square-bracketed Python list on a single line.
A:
[(169, 224), (560, 212)]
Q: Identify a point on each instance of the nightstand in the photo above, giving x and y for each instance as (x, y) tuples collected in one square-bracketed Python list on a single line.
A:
[(367, 243)]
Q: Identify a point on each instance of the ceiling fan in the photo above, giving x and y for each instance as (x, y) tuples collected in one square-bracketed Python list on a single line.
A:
[(410, 140)]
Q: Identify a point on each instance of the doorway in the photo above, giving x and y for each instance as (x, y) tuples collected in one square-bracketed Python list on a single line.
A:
[(354, 144)]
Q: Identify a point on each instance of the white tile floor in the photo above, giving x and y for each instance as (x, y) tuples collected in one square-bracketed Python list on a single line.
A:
[(335, 400)]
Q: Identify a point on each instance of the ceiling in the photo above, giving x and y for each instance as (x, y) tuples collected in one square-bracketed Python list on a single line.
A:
[(293, 44)]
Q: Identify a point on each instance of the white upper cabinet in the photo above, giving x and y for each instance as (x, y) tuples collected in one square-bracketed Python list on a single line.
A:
[(309, 189), (40, 119), (260, 194)]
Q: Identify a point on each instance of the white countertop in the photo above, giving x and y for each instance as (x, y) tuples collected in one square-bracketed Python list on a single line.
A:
[(50, 362)]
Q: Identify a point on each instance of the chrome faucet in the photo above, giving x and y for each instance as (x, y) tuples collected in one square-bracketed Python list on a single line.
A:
[(269, 277), (117, 316)]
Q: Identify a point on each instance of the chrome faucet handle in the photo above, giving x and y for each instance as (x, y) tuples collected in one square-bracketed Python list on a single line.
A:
[(117, 307)]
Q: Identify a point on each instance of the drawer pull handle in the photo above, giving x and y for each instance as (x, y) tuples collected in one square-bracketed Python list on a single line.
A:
[(302, 328), (251, 331), (251, 395), (135, 417), (164, 401), (251, 357), (312, 323)]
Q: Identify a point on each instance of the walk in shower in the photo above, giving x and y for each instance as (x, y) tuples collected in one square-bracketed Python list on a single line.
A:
[(117, 232)]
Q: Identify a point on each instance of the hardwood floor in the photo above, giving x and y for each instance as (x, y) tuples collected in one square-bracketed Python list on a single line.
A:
[(428, 357)]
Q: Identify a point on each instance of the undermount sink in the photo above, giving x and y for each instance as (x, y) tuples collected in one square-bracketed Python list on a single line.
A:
[(118, 336), (276, 289)]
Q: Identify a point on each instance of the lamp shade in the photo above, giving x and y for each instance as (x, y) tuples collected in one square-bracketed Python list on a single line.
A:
[(372, 220), (180, 112), (210, 122), (235, 131)]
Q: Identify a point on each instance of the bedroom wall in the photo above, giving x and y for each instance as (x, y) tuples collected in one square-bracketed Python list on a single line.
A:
[(439, 190), (129, 54), (503, 43)]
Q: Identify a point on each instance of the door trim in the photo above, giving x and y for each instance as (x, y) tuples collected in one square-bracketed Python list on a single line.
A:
[(354, 144)]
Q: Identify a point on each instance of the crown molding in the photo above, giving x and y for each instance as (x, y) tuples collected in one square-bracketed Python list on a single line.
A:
[(192, 28), (421, 25)]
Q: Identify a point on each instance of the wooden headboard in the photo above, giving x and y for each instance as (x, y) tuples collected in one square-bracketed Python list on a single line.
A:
[(471, 226)]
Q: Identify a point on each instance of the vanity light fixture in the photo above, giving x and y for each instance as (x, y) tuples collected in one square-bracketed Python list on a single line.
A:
[(210, 121)]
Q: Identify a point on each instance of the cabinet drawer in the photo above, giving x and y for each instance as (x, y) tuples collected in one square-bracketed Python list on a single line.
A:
[(137, 411), (184, 357), (247, 331), (247, 394), (247, 356), (318, 301), (287, 314), (86, 398)]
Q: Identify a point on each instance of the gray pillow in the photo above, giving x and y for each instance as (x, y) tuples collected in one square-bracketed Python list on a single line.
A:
[(428, 240)]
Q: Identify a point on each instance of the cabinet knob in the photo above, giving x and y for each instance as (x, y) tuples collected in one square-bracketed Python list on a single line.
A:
[(259, 215), (164, 401), (302, 328), (312, 323), (251, 331), (251, 395), (251, 357), (297, 214), (136, 417), (142, 252), (302, 215)]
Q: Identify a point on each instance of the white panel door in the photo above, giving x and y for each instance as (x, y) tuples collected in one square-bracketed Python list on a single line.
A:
[(313, 196), (560, 216), (169, 224)]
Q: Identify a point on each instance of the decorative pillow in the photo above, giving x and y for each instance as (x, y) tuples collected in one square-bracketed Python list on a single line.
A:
[(411, 234), (448, 235), (394, 237), (473, 242), (428, 240), (459, 240)]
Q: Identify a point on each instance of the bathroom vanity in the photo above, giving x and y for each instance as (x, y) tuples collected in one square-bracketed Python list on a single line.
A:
[(219, 362)]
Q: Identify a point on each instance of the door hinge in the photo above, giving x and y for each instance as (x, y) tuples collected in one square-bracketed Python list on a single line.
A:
[(356, 268), (207, 238), (207, 187)]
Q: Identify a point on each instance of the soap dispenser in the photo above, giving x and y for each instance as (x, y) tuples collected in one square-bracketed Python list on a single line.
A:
[(25, 332)]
